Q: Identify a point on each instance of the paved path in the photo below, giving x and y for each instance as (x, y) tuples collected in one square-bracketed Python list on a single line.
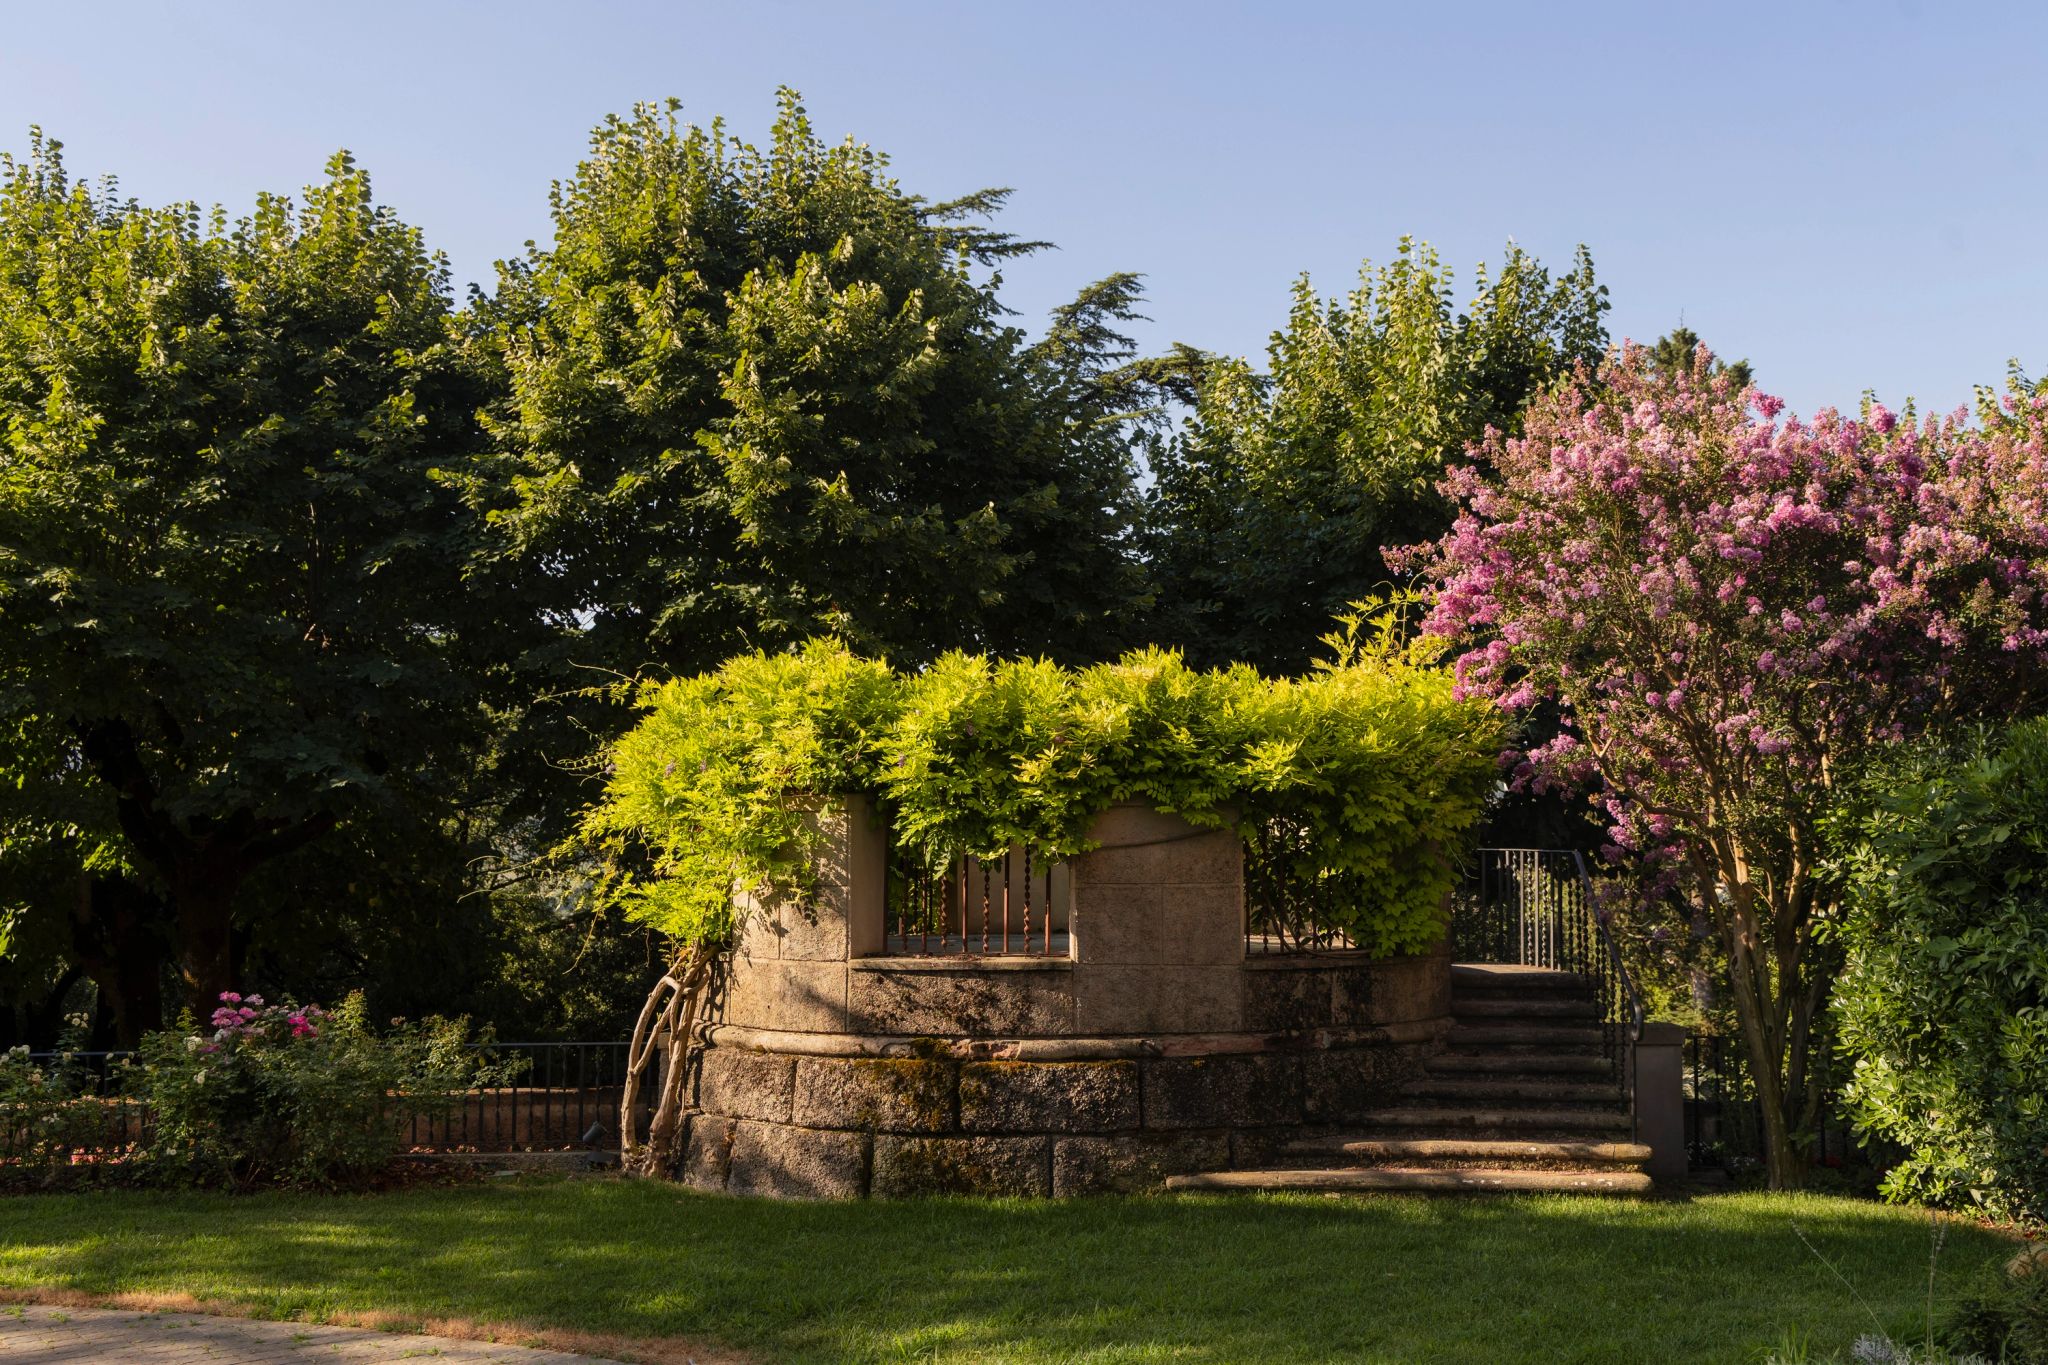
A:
[(33, 1333)]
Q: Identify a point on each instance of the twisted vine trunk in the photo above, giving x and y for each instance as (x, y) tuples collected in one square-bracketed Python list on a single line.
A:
[(666, 1029)]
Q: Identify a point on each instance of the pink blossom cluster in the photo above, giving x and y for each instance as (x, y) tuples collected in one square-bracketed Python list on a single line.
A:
[(1720, 601), (240, 1017)]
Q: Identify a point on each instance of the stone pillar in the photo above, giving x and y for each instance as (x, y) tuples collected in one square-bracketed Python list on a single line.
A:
[(1158, 926), (789, 967), (1660, 1099)]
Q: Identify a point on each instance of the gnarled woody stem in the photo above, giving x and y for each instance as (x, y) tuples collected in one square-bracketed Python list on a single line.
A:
[(667, 1024)]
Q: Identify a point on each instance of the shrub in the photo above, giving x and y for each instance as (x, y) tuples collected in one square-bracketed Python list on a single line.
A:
[(1371, 765), (2004, 1317), (1943, 1000), (46, 1117), (279, 1093)]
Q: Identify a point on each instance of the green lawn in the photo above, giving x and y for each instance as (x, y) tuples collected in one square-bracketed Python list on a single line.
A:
[(1201, 1279)]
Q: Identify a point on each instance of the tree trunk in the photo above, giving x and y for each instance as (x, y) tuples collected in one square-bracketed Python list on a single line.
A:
[(203, 895), (119, 934), (1775, 1004), (202, 861)]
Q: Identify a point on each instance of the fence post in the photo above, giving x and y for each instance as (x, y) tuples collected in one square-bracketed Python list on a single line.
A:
[(1660, 1099)]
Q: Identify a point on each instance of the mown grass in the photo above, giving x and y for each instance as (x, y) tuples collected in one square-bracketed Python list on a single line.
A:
[(1184, 1279)]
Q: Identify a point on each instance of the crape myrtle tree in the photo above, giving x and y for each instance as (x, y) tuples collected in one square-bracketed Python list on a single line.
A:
[(1730, 613), (1271, 505), (756, 395), (232, 596)]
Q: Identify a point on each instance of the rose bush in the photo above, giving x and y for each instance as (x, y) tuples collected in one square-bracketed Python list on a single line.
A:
[(298, 1095)]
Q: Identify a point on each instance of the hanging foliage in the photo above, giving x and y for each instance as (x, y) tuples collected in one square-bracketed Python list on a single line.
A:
[(1374, 763)]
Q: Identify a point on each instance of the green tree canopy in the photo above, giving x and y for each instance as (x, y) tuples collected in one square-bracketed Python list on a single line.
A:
[(1272, 504), (758, 395), (232, 593), (1673, 355)]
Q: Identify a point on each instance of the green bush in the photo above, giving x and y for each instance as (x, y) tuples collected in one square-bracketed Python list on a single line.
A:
[(1372, 765), (1943, 1000), (47, 1116), (277, 1093), (2004, 1317)]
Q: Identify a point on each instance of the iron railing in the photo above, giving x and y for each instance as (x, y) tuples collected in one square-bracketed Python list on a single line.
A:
[(1535, 907), (1014, 906), (559, 1095)]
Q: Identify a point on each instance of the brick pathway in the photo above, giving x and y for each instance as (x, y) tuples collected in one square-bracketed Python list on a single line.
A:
[(34, 1333)]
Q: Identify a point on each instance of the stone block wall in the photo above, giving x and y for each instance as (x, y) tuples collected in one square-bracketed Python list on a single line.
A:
[(1156, 1048)]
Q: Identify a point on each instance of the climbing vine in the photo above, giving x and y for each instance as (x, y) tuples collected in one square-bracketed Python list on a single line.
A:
[(1372, 761)]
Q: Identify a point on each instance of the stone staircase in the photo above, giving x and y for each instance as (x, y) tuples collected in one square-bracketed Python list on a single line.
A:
[(1522, 1098)]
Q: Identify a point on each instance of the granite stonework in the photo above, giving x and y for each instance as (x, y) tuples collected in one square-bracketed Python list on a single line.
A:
[(1157, 1048)]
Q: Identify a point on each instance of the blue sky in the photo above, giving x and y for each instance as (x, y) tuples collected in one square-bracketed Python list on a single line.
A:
[(1850, 194)]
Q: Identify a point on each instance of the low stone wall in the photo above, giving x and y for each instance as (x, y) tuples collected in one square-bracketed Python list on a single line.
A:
[(1157, 1048)]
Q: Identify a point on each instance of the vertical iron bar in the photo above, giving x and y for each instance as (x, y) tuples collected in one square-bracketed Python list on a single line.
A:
[(1048, 910)]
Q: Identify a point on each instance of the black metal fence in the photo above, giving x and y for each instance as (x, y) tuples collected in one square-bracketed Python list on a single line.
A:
[(1724, 1123), (1530, 906), (104, 1119), (555, 1096), (558, 1096)]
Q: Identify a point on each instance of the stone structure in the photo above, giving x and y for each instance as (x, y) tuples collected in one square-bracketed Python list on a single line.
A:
[(1156, 1046)]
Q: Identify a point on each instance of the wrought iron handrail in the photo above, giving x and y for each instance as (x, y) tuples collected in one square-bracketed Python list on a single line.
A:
[(1568, 933), (1623, 1003)]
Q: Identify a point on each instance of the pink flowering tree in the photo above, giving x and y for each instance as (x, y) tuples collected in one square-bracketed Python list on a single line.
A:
[(1729, 609)]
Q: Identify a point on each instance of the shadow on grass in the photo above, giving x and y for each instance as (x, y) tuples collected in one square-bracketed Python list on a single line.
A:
[(1191, 1279)]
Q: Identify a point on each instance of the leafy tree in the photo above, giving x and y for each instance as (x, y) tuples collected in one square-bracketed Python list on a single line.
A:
[(1672, 356), (758, 395), (1271, 506), (232, 593), (1731, 613)]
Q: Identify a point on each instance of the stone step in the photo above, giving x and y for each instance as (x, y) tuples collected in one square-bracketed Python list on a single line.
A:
[(1489, 1151), (1490, 977), (1514, 1090), (1466, 1037), (1518, 1007), (1464, 1120), (1518, 1064), (1419, 1181)]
